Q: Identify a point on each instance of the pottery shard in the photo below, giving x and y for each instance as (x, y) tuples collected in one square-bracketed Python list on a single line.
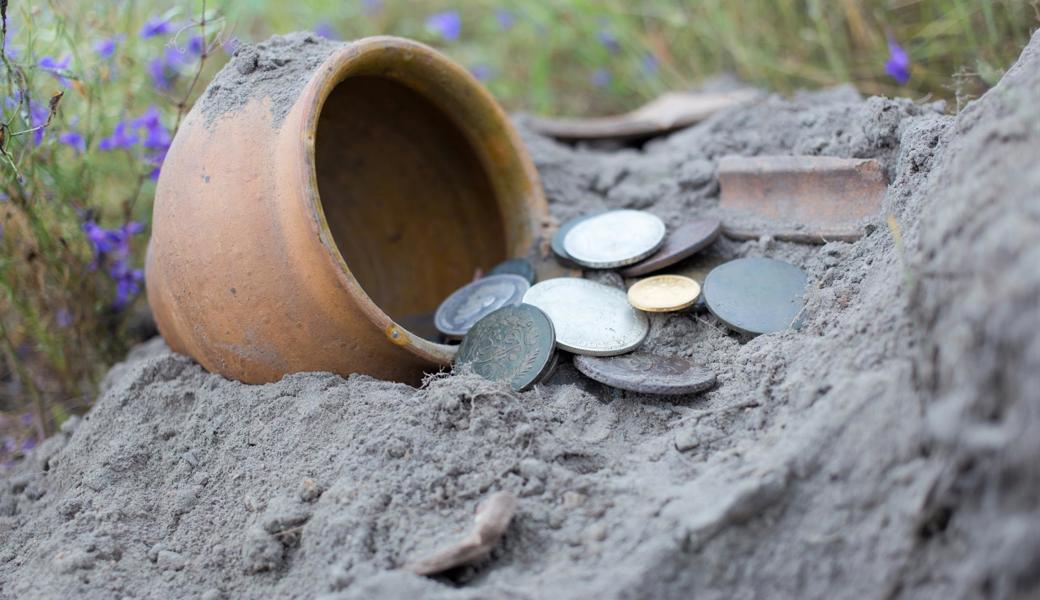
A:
[(812, 199)]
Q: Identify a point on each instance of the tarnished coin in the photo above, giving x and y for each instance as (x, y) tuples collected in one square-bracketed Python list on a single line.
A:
[(756, 295), (551, 369), (561, 233), (614, 239), (647, 373), (589, 317), (685, 241), (472, 302), (664, 293), (514, 343), (514, 266)]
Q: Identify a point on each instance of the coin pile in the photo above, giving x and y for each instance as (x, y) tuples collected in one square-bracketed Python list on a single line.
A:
[(512, 327)]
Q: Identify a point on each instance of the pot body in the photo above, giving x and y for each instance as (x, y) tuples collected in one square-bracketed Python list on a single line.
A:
[(311, 238)]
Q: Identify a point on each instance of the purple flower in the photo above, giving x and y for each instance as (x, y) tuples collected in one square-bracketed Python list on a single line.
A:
[(326, 31), (63, 318), (56, 68), (481, 72), (28, 443), (649, 64), (74, 140), (898, 64), (26, 419), (230, 45), (196, 45), (165, 68), (38, 114), (106, 48), (156, 26), (122, 138), (112, 247), (506, 19), (446, 24), (609, 41), (600, 78)]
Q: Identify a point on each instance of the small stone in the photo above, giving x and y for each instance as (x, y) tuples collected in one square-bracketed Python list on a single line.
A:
[(573, 500), (686, 440), (168, 560), (597, 532), (310, 490)]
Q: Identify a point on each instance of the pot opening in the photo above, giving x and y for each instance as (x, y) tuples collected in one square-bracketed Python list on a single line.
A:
[(406, 198)]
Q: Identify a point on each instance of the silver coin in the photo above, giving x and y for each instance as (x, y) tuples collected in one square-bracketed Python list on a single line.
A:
[(470, 303), (614, 239), (590, 318)]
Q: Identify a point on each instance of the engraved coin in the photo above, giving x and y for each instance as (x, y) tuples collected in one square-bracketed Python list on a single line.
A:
[(614, 239), (756, 295), (515, 266), (685, 241), (472, 302), (589, 317), (514, 344), (664, 293), (561, 233), (647, 373)]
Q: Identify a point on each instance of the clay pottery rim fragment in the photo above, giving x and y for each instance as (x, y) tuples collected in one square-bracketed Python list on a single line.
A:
[(265, 257)]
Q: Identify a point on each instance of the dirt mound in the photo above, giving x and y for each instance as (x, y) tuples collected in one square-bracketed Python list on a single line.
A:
[(888, 449)]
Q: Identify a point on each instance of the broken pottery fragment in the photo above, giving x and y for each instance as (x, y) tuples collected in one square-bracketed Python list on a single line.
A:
[(672, 110), (812, 199), (492, 520)]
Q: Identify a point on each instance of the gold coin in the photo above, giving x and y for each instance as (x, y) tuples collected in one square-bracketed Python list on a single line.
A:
[(664, 293)]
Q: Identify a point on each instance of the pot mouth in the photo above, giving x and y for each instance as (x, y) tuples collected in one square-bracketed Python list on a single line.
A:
[(418, 183)]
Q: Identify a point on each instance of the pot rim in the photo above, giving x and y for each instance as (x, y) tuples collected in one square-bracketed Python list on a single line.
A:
[(350, 61)]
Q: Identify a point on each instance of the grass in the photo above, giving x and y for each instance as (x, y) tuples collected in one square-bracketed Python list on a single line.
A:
[(74, 186)]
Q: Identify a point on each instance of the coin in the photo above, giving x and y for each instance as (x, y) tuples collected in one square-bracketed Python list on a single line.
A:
[(514, 266), (756, 295), (614, 239), (514, 344), (470, 303), (589, 317), (561, 233), (664, 293), (551, 369), (647, 373), (686, 240)]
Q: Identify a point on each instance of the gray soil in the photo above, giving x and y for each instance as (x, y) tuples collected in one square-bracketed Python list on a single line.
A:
[(888, 449)]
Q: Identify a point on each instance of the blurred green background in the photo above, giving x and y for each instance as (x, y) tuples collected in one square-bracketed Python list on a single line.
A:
[(94, 92)]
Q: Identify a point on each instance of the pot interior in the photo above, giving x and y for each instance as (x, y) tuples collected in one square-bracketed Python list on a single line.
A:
[(410, 205)]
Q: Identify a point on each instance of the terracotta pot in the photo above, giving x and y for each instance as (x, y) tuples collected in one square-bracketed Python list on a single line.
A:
[(303, 243)]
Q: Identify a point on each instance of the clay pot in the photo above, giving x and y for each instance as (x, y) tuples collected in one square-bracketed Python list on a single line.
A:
[(303, 243)]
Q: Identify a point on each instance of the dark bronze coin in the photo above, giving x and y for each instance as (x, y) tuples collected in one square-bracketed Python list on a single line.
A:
[(685, 241), (756, 295), (514, 344), (515, 266), (561, 233), (473, 301), (647, 373)]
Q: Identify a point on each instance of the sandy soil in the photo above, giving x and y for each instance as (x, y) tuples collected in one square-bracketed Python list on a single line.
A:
[(886, 450)]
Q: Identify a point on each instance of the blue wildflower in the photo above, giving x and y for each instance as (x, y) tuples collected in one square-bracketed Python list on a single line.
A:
[(196, 45), (56, 68), (122, 138), (600, 78), (649, 64), (38, 114), (74, 140), (112, 248), (506, 19), (898, 64), (481, 72), (609, 41), (230, 45), (63, 318), (326, 31), (165, 68), (106, 48), (446, 24), (156, 26), (128, 281)]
